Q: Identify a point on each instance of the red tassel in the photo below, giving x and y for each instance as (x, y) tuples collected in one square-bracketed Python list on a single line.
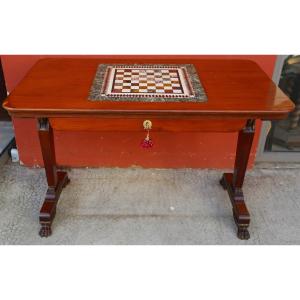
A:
[(146, 143)]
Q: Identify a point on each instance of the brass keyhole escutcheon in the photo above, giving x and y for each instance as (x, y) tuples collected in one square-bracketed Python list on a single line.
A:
[(147, 141), (147, 124)]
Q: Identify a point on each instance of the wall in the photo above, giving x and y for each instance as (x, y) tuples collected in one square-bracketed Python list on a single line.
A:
[(171, 150)]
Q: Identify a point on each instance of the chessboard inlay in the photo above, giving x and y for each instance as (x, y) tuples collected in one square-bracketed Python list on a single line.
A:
[(146, 82)]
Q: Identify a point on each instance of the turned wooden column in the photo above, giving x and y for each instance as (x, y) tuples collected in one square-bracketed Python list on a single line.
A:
[(244, 144), (48, 151), (234, 182), (56, 180)]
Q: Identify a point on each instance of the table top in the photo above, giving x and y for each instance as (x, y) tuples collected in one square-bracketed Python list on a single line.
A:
[(234, 89)]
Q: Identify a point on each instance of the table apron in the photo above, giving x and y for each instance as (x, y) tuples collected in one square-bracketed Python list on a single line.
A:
[(136, 124)]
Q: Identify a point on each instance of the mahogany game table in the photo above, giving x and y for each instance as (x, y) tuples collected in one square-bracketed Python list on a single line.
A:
[(56, 92)]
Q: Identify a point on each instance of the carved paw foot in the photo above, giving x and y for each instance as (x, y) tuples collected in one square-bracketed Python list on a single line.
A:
[(243, 233), (223, 184), (45, 230)]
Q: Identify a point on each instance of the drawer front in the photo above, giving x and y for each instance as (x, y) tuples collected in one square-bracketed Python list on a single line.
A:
[(136, 124)]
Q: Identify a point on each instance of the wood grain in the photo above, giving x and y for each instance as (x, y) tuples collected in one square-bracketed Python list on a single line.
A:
[(136, 124), (235, 89)]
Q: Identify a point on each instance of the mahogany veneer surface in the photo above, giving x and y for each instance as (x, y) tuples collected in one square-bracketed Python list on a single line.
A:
[(234, 88)]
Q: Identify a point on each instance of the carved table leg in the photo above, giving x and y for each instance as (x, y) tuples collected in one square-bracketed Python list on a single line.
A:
[(233, 183), (56, 180)]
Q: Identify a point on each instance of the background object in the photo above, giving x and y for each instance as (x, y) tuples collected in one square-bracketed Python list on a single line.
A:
[(6, 128)]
